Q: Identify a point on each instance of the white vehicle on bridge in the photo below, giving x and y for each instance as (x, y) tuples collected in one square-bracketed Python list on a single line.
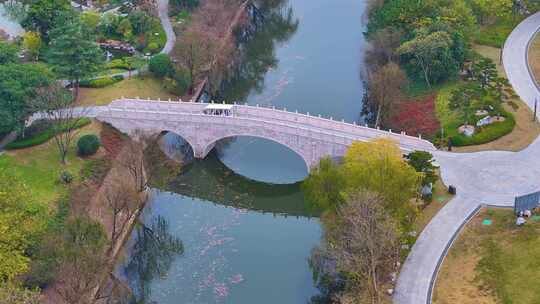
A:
[(219, 109)]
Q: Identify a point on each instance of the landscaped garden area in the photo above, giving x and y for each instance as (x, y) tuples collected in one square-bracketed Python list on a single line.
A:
[(492, 261), (447, 85)]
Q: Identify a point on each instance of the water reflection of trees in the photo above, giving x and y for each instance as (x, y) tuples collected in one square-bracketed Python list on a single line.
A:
[(154, 251), (259, 53)]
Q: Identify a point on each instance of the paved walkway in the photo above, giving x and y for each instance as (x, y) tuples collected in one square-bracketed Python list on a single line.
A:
[(492, 177)]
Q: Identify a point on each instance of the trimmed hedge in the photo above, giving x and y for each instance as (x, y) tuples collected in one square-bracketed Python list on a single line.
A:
[(487, 133), (88, 145), (101, 82), (40, 138)]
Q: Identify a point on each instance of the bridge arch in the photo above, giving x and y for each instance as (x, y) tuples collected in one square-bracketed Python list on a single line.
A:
[(296, 150)]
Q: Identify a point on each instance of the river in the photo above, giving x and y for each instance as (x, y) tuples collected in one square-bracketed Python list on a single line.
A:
[(246, 231)]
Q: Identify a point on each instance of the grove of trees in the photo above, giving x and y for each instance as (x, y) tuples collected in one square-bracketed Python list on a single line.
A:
[(368, 205), (430, 40)]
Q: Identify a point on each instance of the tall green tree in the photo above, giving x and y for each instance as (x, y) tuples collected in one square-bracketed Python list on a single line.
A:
[(73, 51), (43, 13), (324, 185), (17, 85), (426, 51)]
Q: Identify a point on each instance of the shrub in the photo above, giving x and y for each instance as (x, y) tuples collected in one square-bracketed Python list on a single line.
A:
[(118, 78), (153, 47), (66, 177), (118, 64), (88, 145), (488, 133), (101, 82), (161, 65), (40, 138)]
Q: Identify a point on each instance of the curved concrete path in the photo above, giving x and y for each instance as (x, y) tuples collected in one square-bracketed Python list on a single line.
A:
[(492, 178)]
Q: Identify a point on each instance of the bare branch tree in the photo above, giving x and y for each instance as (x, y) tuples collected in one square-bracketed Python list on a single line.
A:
[(56, 104), (123, 201), (360, 245), (195, 52), (385, 85), (133, 159)]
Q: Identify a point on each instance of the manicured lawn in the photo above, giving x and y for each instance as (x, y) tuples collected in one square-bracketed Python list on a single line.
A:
[(39, 167), (142, 87), (492, 264)]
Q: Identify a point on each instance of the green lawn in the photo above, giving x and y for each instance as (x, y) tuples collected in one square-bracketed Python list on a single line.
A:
[(143, 87), (39, 167), (495, 35), (501, 258)]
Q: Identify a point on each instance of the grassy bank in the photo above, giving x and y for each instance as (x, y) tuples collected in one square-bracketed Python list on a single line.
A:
[(39, 166), (494, 263), (144, 87)]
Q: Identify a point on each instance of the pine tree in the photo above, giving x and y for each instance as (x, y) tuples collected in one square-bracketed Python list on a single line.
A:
[(73, 51)]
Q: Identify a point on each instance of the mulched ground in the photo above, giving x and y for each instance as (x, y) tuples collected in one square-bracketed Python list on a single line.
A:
[(416, 117), (111, 140)]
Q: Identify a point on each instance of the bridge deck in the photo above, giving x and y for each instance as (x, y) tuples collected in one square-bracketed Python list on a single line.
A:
[(293, 123)]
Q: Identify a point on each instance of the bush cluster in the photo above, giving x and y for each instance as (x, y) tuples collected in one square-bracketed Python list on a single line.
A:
[(101, 82), (88, 145)]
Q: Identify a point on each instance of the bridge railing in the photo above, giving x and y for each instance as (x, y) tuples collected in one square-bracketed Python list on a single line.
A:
[(325, 130)]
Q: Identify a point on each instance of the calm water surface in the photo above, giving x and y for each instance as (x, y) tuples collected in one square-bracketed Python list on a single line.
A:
[(242, 220)]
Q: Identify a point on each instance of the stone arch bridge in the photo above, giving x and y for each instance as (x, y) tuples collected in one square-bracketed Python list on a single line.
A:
[(310, 137)]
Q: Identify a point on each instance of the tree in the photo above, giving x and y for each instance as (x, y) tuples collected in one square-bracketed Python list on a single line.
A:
[(43, 13), (324, 185), (383, 45), (125, 29), (8, 52), (122, 201), (161, 65), (133, 160), (78, 252), (422, 162), (73, 52), (378, 166), (57, 104), (462, 100), (195, 52), (361, 243), (17, 84), (140, 21), (384, 90), (426, 49), (21, 219), (91, 19), (32, 42)]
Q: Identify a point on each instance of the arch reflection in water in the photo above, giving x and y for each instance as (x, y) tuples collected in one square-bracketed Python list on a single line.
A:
[(262, 160), (255, 158)]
